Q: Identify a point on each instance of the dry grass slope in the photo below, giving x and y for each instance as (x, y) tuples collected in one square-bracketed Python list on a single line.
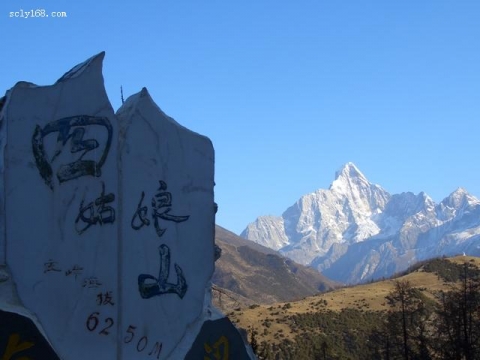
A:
[(272, 321)]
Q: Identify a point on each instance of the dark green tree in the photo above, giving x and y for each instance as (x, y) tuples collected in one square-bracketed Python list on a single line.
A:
[(323, 351), (265, 352), (379, 340), (254, 342), (458, 319), (407, 320)]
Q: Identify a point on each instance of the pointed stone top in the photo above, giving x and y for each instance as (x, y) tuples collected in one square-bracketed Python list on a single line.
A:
[(149, 110), (95, 61), (349, 171), (142, 98), (134, 99)]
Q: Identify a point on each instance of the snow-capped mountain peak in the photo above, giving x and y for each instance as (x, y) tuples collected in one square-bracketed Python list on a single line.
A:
[(363, 196), (349, 170), (460, 197), (348, 178), (356, 230)]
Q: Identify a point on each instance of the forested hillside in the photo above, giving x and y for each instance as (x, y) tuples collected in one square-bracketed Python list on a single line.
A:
[(431, 312)]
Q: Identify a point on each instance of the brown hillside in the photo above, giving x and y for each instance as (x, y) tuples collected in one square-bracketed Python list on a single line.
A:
[(261, 274)]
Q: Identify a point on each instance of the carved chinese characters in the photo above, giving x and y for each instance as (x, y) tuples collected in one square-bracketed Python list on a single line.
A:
[(161, 207), (95, 212), (72, 130), (160, 285), (61, 186), (167, 223), (149, 285), (108, 223)]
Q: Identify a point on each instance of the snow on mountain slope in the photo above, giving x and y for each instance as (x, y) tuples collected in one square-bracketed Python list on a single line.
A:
[(267, 231), (355, 230)]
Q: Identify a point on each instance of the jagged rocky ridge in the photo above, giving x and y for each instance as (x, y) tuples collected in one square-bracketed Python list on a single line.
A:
[(356, 231)]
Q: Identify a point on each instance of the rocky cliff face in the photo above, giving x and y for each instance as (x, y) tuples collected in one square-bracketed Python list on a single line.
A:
[(355, 230)]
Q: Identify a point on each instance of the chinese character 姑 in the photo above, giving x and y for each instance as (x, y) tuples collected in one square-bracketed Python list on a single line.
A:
[(96, 211)]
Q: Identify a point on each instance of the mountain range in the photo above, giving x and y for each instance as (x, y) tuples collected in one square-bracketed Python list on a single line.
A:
[(356, 231)]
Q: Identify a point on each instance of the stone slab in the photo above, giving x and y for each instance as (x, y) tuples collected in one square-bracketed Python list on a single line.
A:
[(61, 198), (167, 229)]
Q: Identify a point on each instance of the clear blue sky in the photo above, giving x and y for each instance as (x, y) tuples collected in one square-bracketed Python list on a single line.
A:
[(288, 91)]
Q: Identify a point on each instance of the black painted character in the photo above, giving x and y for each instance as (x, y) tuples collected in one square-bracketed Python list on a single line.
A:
[(105, 298), (50, 265), (96, 211), (141, 213), (76, 270), (160, 285), (161, 207), (161, 203), (91, 283), (70, 128)]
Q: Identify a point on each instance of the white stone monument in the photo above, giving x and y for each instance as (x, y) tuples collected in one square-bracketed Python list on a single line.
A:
[(167, 230), (106, 229), (61, 207)]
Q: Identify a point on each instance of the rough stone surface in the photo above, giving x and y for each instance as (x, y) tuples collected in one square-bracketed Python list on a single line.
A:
[(106, 223), (167, 186), (61, 246)]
